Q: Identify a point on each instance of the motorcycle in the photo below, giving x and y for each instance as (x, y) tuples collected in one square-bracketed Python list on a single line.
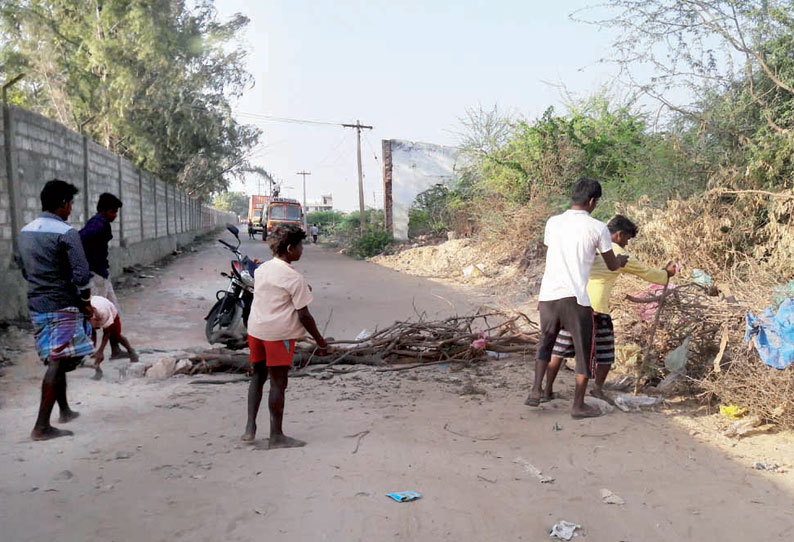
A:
[(227, 321)]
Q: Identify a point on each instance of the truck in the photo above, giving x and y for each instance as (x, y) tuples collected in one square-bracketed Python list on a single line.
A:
[(257, 206), (281, 211)]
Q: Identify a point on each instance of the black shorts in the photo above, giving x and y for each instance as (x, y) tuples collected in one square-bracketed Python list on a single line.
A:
[(604, 341), (577, 319)]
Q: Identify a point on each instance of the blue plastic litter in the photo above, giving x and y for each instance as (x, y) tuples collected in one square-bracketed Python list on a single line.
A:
[(404, 496), (701, 277), (774, 334)]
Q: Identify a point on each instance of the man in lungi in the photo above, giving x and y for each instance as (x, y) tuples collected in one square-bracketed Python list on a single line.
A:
[(55, 266)]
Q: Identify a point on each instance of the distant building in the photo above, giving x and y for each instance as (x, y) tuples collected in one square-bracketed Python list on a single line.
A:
[(325, 203)]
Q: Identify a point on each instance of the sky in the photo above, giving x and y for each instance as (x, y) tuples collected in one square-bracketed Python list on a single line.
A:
[(408, 68)]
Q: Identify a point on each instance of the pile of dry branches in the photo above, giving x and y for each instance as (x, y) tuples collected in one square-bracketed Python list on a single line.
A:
[(721, 367), (745, 240), (691, 311), (455, 339)]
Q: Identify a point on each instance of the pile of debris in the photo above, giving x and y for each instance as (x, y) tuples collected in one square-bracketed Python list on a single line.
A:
[(699, 349), (694, 318), (404, 344)]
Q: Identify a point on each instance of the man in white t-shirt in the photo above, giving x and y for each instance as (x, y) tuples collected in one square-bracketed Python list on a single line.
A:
[(573, 239)]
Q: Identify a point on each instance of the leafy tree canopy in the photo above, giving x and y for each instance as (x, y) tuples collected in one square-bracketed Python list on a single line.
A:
[(149, 79), (235, 202)]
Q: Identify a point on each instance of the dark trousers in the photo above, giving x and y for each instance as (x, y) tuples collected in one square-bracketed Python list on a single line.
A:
[(577, 320)]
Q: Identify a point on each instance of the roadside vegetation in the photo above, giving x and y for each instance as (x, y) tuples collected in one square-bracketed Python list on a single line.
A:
[(344, 229), (700, 154)]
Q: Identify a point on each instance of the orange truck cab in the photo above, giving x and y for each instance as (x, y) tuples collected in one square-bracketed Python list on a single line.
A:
[(256, 209), (281, 211)]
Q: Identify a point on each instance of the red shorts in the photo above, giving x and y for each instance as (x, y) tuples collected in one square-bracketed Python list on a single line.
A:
[(273, 353), (114, 329)]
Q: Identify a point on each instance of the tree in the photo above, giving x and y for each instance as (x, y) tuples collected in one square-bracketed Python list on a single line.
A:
[(328, 221), (724, 67), (150, 79), (235, 202)]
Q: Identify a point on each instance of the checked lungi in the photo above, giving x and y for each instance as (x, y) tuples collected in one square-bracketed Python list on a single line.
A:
[(62, 334)]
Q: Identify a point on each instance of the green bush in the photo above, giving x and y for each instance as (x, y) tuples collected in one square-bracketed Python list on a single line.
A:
[(327, 221), (429, 212), (372, 243)]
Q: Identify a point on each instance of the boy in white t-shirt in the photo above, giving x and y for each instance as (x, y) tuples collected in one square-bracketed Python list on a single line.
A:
[(279, 316), (106, 317), (573, 240)]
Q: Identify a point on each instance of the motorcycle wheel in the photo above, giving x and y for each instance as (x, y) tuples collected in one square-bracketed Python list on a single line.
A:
[(212, 319)]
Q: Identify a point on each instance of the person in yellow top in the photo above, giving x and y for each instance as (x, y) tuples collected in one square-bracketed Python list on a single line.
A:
[(599, 288)]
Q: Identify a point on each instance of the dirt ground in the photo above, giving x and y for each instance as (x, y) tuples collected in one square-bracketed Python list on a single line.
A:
[(163, 460)]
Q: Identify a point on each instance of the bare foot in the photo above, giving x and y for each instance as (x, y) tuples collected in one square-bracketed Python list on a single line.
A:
[(66, 417), (250, 433), (283, 441), (134, 356), (97, 374), (119, 355), (48, 433), (585, 412)]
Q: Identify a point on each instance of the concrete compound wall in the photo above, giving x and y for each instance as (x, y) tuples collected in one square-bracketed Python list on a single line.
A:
[(156, 217), (410, 168)]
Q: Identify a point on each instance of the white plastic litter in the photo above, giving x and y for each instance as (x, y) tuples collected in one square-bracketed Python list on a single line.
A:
[(564, 530), (533, 471), (675, 362), (474, 270), (607, 497), (497, 355), (363, 335), (772, 467), (600, 404), (634, 403)]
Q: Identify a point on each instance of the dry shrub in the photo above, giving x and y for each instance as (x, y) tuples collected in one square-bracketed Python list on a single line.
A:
[(689, 311), (733, 236), (745, 241), (750, 383), (514, 232)]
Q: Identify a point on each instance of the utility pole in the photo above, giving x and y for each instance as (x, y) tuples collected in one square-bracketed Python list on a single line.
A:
[(358, 126), (305, 214)]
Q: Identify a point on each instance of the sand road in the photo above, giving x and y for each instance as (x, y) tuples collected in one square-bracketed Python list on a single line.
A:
[(162, 461)]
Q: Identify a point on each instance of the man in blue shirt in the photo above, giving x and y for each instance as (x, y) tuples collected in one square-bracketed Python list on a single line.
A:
[(55, 266), (96, 236)]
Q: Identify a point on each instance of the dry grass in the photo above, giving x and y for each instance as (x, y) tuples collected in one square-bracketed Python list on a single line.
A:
[(745, 242), (515, 233), (735, 237), (763, 390)]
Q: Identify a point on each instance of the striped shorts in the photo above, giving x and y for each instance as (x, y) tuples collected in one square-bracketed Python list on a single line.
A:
[(604, 341)]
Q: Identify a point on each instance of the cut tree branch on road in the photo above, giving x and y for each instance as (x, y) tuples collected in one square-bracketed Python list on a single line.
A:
[(455, 339)]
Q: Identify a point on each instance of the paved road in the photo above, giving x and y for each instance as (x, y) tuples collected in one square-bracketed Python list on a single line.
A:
[(169, 311)]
